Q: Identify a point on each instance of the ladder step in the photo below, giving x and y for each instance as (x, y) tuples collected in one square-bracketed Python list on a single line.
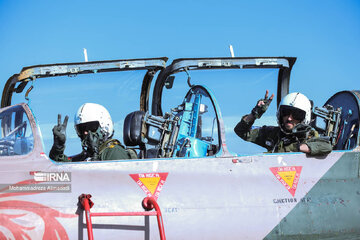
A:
[(149, 203)]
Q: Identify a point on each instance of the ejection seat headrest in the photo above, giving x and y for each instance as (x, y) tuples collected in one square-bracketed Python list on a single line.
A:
[(349, 102), (132, 128)]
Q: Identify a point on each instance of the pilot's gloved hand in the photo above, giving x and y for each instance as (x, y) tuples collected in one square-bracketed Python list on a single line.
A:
[(262, 105), (302, 131), (92, 143), (59, 132)]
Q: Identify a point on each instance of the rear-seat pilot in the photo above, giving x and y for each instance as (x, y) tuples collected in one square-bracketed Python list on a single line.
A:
[(293, 133)]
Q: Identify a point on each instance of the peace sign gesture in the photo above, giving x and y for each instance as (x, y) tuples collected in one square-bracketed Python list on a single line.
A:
[(265, 100), (262, 105), (59, 131)]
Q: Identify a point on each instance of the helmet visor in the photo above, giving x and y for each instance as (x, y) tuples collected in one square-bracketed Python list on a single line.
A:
[(296, 113), (87, 127)]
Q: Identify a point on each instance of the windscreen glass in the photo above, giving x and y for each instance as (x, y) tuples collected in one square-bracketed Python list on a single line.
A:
[(118, 92), (236, 92)]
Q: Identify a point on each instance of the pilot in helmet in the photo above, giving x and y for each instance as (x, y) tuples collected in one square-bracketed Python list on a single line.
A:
[(94, 127), (293, 133), (294, 108)]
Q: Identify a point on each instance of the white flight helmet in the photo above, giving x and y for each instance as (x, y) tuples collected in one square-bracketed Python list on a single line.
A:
[(92, 113), (296, 102)]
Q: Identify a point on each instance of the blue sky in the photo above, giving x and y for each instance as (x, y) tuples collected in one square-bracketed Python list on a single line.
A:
[(323, 35)]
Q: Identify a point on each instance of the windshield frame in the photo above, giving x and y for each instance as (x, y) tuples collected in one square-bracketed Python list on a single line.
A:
[(284, 64), (31, 73)]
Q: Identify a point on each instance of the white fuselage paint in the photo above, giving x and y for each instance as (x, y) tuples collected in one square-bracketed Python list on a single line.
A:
[(205, 198)]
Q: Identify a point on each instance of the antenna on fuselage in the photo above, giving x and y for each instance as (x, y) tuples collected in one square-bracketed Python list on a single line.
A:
[(231, 50), (85, 55)]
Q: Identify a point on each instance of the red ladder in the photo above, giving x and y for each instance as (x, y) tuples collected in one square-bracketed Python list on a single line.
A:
[(148, 204)]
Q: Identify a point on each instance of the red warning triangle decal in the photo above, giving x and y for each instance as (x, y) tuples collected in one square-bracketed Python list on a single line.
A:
[(150, 183), (288, 176)]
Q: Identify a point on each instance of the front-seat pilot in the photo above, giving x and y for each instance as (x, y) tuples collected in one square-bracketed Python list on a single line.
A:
[(94, 126)]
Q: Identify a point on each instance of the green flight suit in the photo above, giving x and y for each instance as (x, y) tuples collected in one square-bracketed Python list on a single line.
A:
[(274, 140), (109, 150)]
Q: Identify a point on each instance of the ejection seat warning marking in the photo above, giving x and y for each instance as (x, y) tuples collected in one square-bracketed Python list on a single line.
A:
[(288, 176), (150, 183)]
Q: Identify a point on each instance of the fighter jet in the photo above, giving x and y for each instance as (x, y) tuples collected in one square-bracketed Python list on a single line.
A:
[(193, 179)]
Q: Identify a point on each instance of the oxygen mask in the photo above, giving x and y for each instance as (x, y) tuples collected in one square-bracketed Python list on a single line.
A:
[(91, 140)]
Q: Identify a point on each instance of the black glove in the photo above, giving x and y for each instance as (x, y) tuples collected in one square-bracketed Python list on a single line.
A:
[(262, 105), (59, 132), (302, 131), (91, 144)]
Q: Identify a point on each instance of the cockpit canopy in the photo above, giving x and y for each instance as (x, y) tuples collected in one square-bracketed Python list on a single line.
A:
[(177, 115)]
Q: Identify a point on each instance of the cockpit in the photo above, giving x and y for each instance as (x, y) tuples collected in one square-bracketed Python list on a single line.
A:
[(187, 109), (188, 130)]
